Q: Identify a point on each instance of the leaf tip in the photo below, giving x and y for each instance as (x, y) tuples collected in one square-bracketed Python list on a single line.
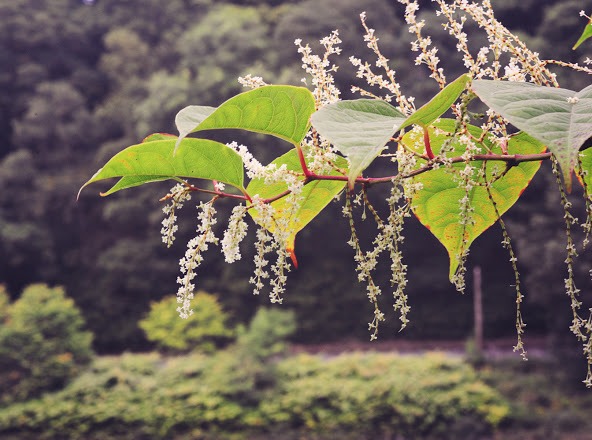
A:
[(291, 251), (567, 181), (79, 191)]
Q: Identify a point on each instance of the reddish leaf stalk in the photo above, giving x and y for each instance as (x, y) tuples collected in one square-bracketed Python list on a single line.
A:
[(426, 142), (305, 170), (510, 159), (220, 193)]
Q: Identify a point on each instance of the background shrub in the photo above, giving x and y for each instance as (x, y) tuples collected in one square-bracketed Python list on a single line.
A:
[(352, 396), (267, 333), (4, 304), (204, 331), (42, 343), (361, 395)]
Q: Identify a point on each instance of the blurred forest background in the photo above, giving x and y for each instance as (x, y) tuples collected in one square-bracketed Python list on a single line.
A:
[(81, 80)]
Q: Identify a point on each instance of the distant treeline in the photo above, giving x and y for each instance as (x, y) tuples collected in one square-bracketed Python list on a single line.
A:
[(81, 80)]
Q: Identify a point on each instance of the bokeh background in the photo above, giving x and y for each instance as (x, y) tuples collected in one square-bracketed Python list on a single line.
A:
[(81, 80)]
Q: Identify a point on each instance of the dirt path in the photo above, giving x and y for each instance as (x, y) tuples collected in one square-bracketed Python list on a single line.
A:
[(494, 348)]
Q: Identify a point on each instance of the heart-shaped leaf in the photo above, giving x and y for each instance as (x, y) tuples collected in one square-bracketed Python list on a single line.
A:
[(437, 204), (153, 161), (316, 195), (359, 129), (559, 118), (281, 111)]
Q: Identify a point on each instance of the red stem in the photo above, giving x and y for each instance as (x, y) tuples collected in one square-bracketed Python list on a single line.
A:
[(305, 169), (220, 193), (510, 159), (426, 142)]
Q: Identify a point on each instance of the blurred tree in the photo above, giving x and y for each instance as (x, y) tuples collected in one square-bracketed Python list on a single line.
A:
[(42, 344), (225, 43), (126, 56), (55, 124), (166, 94), (203, 331)]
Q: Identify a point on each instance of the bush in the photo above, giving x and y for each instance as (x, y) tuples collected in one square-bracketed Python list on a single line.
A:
[(362, 395), (4, 305), (267, 333), (353, 396), (203, 331), (42, 344), (242, 393)]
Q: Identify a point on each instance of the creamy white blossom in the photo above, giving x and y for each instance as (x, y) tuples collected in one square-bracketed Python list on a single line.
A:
[(193, 256), (178, 195)]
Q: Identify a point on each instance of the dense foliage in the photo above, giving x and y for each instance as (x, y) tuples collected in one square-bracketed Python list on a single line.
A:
[(204, 331), (43, 344), (350, 397)]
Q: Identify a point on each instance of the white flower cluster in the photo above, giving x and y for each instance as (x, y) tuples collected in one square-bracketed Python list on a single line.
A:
[(427, 54), (405, 104), (319, 154), (365, 264), (393, 235), (252, 166), (522, 65), (275, 231), (193, 256), (321, 69), (178, 195), (263, 246), (270, 238), (252, 82), (234, 234), (255, 170)]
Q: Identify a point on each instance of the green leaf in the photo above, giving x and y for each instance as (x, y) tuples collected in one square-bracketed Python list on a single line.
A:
[(586, 160), (159, 137), (439, 104), (316, 195), (586, 33), (190, 117), (281, 111), (359, 129), (559, 118), (151, 161), (437, 204), (131, 181)]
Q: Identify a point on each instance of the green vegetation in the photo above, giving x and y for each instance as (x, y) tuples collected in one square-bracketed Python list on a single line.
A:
[(351, 396), (204, 331), (254, 389), (544, 402), (42, 343)]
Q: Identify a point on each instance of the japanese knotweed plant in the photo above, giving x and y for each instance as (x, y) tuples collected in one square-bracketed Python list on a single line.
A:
[(458, 175)]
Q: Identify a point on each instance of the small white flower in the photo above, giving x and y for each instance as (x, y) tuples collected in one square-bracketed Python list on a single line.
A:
[(236, 232)]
